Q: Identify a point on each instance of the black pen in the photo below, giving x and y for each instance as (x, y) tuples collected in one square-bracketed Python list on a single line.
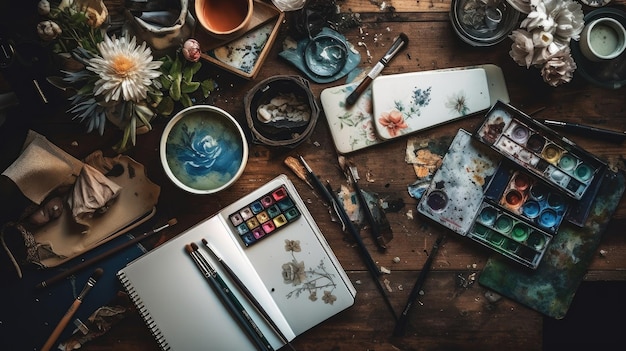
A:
[(404, 316), (401, 41), (328, 193), (610, 135), (228, 298)]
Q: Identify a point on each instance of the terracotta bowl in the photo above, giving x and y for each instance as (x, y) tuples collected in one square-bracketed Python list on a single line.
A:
[(224, 19)]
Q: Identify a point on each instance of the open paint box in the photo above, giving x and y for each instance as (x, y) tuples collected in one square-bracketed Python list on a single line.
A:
[(508, 192)]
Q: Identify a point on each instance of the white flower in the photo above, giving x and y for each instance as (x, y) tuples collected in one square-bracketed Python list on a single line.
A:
[(542, 39), (126, 70), (522, 49), (559, 68), (48, 30)]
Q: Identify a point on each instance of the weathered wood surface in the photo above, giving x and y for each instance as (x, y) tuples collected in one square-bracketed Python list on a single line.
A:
[(451, 314)]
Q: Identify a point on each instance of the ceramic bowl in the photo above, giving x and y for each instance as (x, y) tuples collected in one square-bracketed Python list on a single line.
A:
[(203, 149), (281, 111), (480, 26), (224, 19)]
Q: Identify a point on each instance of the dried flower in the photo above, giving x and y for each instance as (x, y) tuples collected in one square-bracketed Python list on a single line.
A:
[(522, 50), (544, 37), (559, 68), (191, 50), (48, 30)]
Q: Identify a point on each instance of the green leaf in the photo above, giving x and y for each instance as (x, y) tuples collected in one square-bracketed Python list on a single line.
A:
[(208, 85), (175, 89), (166, 81), (189, 87), (185, 100), (166, 106), (176, 68), (191, 70)]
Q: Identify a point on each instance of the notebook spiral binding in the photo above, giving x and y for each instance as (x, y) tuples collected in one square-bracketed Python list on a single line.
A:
[(145, 314)]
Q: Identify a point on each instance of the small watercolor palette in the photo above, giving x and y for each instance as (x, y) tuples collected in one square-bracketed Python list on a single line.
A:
[(264, 216), (479, 194), (540, 150)]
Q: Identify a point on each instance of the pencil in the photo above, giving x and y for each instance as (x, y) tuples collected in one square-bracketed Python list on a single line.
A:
[(70, 312), (102, 256), (228, 298), (248, 294)]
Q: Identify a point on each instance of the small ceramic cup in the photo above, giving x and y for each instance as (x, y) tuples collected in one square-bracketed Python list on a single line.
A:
[(603, 39), (224, 19)]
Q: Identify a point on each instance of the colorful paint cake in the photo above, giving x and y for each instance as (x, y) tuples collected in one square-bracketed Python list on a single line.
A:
[(540, 150), (264, 216)]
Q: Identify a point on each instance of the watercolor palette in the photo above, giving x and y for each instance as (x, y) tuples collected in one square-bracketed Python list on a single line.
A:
[(479, 194), (539, 149), (264, 216)]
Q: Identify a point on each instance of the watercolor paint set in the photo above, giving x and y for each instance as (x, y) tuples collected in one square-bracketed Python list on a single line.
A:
[(264, 216), (490, 190), (541, 150)]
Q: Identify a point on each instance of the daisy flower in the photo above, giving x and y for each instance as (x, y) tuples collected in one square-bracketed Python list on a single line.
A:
[(126, 70)]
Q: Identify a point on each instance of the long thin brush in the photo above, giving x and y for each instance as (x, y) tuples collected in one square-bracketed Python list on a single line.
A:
[(249, 295), (228, 298), (104, 255)]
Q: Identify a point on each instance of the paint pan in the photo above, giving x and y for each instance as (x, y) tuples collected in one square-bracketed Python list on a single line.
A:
[(543, 152)]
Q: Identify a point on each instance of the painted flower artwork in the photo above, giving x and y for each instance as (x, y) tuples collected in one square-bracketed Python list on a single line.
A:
[(315, 282), (204, 154), (394, 121)]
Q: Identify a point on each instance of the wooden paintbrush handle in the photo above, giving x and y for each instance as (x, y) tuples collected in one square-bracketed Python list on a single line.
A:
[(61, 326)]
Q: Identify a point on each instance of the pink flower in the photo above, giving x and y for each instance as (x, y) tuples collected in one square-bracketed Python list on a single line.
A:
[(191, 50), (393, 121)]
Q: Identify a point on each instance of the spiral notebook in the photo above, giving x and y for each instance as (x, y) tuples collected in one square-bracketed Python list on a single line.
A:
[(273, 245)]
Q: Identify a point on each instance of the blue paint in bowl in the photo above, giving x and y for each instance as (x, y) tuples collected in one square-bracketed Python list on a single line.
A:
[(203, 149)]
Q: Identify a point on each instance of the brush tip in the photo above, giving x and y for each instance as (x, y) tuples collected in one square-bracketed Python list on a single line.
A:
[(172, 221), (188, 248), (204, 241), (97, 273), (194, 246)]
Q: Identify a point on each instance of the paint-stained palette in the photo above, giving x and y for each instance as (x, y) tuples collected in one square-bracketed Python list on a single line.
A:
[(477, 195), (510, 185)]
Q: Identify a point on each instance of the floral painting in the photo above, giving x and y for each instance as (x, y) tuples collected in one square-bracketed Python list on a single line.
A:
[(317, 283), (394, 121)]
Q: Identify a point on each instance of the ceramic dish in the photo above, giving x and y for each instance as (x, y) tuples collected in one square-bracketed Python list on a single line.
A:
[(281, 111), (203, 149), (610, 74), (472, 24)]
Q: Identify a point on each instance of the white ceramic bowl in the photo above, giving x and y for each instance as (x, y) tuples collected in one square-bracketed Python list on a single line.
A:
[(203, 149)]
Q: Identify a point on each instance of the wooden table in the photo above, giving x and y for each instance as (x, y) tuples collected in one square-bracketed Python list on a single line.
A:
[(451, 314)]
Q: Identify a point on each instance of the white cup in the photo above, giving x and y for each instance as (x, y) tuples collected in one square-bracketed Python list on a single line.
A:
[(603, 39)]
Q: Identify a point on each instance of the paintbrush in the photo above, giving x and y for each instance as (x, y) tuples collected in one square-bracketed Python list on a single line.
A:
[(240, 284), (104, 255), (70, 312), (228, 298), (378, 236), (401, 323), (331, 198)]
